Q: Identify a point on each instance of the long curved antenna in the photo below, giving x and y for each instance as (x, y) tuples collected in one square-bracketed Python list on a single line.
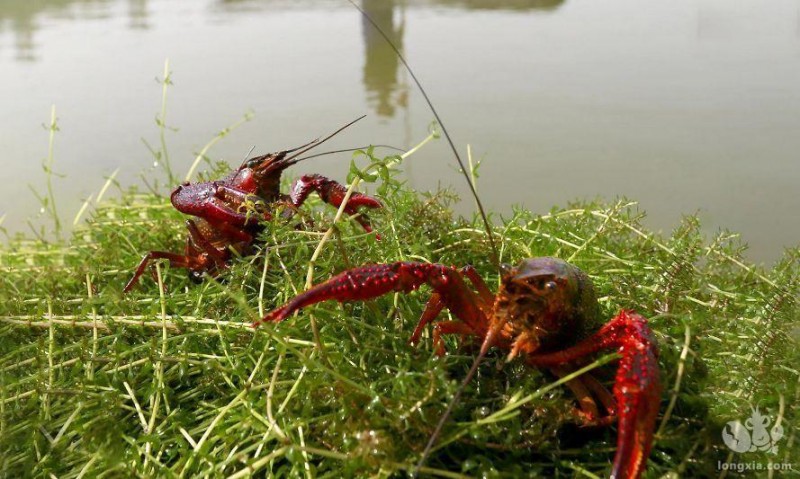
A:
[(487, 343), (495, 255), (280, 162), (318, 142), (349, 149)]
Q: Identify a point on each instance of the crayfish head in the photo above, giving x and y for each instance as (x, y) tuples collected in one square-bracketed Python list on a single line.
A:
[(262, 162), (261, 175), (547, 304)]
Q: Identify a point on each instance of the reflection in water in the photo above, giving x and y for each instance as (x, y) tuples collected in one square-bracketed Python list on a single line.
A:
[(244, 5), (137, 14), (616, 100), (23, 18), (380, 62), (501, 4), (384, 92)]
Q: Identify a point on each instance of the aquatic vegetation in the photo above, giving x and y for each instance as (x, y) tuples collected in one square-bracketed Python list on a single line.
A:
[(176, 382)]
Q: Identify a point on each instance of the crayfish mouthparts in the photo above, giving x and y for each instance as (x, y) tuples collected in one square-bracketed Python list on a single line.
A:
[(525, 342)]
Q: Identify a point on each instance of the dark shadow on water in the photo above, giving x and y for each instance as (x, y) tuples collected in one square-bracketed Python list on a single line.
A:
[(384, 92), (500, 5), (521, 5), (137, 14), (23, 18)]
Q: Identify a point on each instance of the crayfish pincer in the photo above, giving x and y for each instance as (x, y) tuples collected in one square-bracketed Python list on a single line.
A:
[(229, 213), (546, 312)]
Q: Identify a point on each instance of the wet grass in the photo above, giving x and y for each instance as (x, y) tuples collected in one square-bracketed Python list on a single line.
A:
[(173, 381)]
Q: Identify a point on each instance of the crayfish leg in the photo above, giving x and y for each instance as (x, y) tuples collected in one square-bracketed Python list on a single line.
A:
[(484, 293), (232, 232), (588, 391), (435, 305), (601, 393), (201, 241), (588, 409), (175, 261), (448, 327)]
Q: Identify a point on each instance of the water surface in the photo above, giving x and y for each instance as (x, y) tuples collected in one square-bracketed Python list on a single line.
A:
[(686, 106)]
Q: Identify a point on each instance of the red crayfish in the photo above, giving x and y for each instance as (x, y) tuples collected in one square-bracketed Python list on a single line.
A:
[(230, 212), (545, 310)]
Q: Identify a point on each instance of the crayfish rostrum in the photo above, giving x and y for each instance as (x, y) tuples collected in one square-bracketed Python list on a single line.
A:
[(229, 213), (547, 313)]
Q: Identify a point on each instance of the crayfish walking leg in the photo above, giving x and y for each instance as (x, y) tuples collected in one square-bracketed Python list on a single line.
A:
[(192, 259)]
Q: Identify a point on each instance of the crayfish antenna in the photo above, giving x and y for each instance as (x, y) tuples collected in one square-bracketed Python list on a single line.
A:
[(346, 150), (486, 224), (488, 341), (494, 251), (282, 162)]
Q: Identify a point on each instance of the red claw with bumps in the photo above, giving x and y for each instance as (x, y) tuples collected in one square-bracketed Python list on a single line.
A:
[(545, 311), (333, 193), (229, 213)]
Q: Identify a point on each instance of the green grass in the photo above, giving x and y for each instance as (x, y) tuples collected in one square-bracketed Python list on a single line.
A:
[(176, 383)]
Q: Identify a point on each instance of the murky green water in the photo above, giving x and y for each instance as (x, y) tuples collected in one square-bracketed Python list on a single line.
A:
[(682, 105)]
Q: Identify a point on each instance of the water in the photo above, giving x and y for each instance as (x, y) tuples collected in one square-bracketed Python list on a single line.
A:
[(686, 106)]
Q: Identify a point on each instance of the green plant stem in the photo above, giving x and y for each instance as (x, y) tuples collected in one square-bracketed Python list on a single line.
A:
[(48, 169), (162, 123)]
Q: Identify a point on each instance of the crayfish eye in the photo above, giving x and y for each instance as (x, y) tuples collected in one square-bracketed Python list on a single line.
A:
[(542, 285), (196, 276)]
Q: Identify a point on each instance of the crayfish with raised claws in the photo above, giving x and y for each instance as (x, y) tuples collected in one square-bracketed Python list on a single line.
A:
[(229, 213), (546, 312)]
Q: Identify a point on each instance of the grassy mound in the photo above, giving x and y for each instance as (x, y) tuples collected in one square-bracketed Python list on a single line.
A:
[(174, 382)]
